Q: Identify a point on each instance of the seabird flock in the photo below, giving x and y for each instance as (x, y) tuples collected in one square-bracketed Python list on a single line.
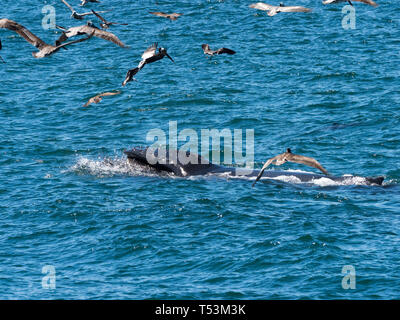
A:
[(151, 54)]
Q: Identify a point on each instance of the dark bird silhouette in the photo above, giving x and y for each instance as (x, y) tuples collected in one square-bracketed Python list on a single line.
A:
[(273, 10), (208, 51), (99, 97), (149, 56), (289, 156), (1, 47), (84, 2), (88, 29), (44, 48), (172, 16), (370, 2), (106, 24), (76, 15)]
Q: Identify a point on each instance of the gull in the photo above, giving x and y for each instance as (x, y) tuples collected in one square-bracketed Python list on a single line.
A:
[(106, 24), (76, 15), (44, 48), (207, 50), (88, 28), (149, 56), (171, 16), (1, 46), (289, 156), (99, 97), (273, 10), (83, 2), (370, 2)]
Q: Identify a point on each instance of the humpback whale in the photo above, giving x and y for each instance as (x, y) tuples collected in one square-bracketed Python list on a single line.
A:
[(203, 167)]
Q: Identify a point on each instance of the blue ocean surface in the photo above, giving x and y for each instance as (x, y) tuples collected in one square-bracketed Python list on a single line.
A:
[(78, 222)]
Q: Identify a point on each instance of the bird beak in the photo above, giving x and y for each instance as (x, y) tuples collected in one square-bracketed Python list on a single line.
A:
[(170, 57)]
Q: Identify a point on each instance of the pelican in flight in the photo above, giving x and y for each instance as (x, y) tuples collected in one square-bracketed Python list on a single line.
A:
[(171, 16), (208, 51), (273, 10), (149, 56), (370, 2), (106, 24), (44, 48), (1, 46), (88, 29), (76, 15), (99, 97), (83, 2), (289, 156)]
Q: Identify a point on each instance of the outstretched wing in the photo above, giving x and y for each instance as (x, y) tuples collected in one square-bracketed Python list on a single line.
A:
[(68, 5), (262, 6), (105, 94), (99, 16), (23, 32), (294, 9), (225, 50), (311, 162), (150, 51), (266, 164), (89, 13), (103, 34)]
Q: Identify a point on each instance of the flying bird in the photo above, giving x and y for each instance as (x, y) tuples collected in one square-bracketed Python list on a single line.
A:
[(83, 2), (149, 56), (289, 156), (370, 2), (99, 97), (76, 15), (106, 24), (1, 47), (273, 10), (208, 51), (171, 16), (88, 29), (44, 48)]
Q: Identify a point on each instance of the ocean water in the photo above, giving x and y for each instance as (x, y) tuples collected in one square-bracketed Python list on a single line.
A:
[(120, 232)]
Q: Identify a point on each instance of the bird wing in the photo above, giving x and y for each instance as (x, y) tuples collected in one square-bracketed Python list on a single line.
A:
[(105, 94), (99, 16), (262, 6), (311, 162), (23, 32), (176, 15), (68, 5), (225, 50), (103, 34), (90, 101), (266, 164), (160, 14), (370, 2), (89, 13), (150, 51), (294, 9)]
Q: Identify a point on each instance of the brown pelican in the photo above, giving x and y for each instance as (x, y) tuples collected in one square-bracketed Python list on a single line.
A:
[(171, 16), (105, 24), (207, 50), (273, 10), (289, 156), (83, 2), (1, 46), (99, 97), (76, 15), (44, 48), (148, 56), (370, 2), (88, 29)]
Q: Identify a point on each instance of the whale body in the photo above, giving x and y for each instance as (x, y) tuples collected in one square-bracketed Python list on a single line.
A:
[(200, 166)]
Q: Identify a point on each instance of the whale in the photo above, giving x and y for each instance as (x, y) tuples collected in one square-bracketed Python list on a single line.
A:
[(199, 166)]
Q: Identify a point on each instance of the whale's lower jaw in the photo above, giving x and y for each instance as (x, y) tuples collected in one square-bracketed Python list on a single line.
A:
[(139, 155)]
